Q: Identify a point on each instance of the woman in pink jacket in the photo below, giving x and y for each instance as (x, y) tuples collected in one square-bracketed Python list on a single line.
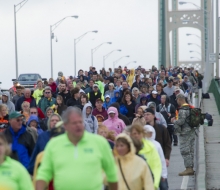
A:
[(113, 122)]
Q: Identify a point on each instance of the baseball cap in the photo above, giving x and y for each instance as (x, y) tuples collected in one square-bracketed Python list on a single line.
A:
[(15, 82), (154, 92), (5, 94), (148, 128), (71, 77), (81, 91), (107, 96), (150, 111), (170, 80), (99, 100), (15, 114), (95, 85), (111, 112), (111, 84), (176, 89)]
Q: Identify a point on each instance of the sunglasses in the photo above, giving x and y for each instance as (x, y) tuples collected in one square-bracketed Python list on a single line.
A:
[(47, 92), (19, 120), (33, 112)]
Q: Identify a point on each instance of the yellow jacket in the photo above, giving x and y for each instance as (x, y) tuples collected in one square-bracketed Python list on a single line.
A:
[(130, 77), (36, 165), (135, 169), (153, 159)]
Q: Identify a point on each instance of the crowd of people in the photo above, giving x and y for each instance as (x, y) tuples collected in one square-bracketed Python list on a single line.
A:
[(116, 129)]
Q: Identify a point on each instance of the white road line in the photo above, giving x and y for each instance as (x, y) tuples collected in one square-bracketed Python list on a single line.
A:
[(184, 182)]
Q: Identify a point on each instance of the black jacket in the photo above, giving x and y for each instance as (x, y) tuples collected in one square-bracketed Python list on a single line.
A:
[(73, 102), (137, 85), (65, 97), (21, 100), (93, 97)]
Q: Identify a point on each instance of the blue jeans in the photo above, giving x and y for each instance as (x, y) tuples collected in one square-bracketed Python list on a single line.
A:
[(164, 184)]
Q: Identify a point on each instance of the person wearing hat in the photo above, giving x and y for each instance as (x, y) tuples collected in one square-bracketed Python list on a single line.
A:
[(110, 90), (154, 97), (22, 141), (107, 102), (38, 93), (99, 112), (95, 94), (47, 100), (113, 123), (60, 78), (162, 134), (6, 100), (169, 88), (186, 135)]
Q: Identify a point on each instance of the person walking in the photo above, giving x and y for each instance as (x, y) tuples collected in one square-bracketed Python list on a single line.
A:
[(186, 135), (28, 98), (6, 100), (133, 171), (75, 99), (21, 140), (3, 117), (162, 134), (113, 122), (90, 121), (72, 151), (46, 101), (60, 106), (12, 174), (149, 152), (39, 92)]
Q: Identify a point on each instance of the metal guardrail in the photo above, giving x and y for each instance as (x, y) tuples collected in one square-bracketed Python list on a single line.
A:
[(215, 89)]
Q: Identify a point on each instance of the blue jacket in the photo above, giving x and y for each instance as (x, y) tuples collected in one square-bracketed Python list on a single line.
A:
[(115, 99), (35, 118), (39, 147), (22, 144), (107, 105)]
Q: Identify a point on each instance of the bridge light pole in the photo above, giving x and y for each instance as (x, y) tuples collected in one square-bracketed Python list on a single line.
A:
[(115, 62), (106, 56)]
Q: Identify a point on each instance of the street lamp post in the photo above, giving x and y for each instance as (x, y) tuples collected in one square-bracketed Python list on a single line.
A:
[(96, 48), (21, 4), (106, 56), (52, 28), (77, 41), (194, 52), (193, 35), (194, 58), (129, 63), (115, 62), (194, 44)]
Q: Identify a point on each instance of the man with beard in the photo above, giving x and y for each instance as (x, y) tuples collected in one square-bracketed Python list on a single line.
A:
[(64, 93)]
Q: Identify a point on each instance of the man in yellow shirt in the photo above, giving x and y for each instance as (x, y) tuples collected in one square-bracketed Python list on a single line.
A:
[(38, 93), (76, 157)]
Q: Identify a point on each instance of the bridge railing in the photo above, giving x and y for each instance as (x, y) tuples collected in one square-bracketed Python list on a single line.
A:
[(215, 89)]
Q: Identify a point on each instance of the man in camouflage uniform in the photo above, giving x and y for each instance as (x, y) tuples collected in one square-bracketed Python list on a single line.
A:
[(186, 135)]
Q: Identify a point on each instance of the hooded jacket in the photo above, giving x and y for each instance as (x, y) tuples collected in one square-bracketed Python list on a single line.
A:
[(153, 159), (115, 99), (156, 100), (159, 150), (35, 118), (134, 168), (140, 104), (90, 121), (130, 77), (21, 100), (10, 105), (121, 116), (114, 124)]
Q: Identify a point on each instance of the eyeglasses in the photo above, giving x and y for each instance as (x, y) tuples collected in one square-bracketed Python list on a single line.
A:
[(47, 92), (33, 112), (19, 120)]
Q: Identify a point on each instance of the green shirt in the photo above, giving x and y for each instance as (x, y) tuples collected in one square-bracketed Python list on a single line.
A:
[(37, 95), (77, 167), (13, 176)]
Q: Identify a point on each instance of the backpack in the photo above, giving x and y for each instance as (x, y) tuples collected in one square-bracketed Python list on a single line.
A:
[(209, 118), (195, 118)]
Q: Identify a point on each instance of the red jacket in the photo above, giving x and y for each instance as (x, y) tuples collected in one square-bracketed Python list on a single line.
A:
[(53, 86)]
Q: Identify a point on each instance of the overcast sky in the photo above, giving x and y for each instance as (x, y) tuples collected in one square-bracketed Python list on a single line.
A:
[(131, 25)]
